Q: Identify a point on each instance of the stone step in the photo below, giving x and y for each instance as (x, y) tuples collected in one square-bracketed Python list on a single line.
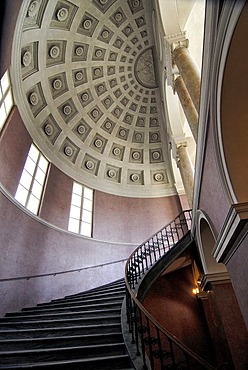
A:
[(110, 290), (60, 331), (101, 320), (72, 307), (98, 295), (59, 354), (58, 342), (103, 363), (80, 301), (20, 316)]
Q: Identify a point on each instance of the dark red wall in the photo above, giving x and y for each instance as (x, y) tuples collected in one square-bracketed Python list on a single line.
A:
[(9, 11), (56, 202), (15, 143), (172, 303), (131, 219)]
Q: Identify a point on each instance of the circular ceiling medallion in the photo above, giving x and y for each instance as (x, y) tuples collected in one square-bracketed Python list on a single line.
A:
[(68, 151), (62, 14), (67, 110), (81, 129), (54, 52), (90, 165), (135, 177), (57, 84), (112, 173), (48, 129), (87, 24), (34, 99), (159, 177), (27, 58)]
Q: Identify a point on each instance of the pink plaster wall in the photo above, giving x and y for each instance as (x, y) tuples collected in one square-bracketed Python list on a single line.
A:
[(131, 220), (230, 323), (213, 200), (28, 247), (56, 201), (237, 269), (14, 146)]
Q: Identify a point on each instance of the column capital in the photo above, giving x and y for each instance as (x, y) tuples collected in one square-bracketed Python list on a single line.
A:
[(179, 145), (171, 42)]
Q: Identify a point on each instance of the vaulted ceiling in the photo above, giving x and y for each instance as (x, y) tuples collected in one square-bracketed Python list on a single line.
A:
[(84, 80)]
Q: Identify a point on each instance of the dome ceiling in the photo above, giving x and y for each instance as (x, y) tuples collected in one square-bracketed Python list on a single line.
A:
[(84, 81)]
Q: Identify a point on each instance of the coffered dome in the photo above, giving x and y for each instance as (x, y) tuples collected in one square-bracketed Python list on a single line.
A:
[(84, 80)]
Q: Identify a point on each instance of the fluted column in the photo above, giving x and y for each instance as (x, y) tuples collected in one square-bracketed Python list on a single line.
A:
[(186, 170), (187, 105), (189, 72)]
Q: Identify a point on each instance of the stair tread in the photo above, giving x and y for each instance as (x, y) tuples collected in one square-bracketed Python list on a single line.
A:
[(72, 361), (61, 320), (40, 350), (36, 308), (18, 340), (87, 300), (16, 315)]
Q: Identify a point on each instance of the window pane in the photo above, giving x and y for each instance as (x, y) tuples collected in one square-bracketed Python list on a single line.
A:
[(30, 166), (85, 229), (73, 225), (76, 200), (77, 188), (88, 193), (21, 194), (3, 115), (43, 163), (40, 176), (36, 189), (75, 212), (8, 102), (33, 153), (5, 82), (26, 179), (33, 204), (87, 204), (86, 216)]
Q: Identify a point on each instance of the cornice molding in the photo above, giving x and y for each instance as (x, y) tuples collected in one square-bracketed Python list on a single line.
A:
[(208, 280), (234, 230)]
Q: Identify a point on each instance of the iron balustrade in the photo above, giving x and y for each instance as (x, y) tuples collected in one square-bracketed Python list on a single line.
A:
[(152, 340)]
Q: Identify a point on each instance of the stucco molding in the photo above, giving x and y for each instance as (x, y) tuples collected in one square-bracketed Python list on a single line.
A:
[(212, 279), (234, 230)]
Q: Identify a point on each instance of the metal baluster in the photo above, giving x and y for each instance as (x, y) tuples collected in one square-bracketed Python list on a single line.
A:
[(142, 340), (136, 330), (150, 343), (172, 354), (160, 350)]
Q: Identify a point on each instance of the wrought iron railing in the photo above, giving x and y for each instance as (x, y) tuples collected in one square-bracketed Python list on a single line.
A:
[(152, 340)]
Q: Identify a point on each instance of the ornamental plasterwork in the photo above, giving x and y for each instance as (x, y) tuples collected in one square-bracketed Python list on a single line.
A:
[(84, 80)]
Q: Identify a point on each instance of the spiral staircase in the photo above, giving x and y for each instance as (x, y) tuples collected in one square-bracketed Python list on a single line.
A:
[(85, 330)]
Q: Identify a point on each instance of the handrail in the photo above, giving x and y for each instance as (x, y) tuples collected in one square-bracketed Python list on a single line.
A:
[(61, 272), (163, 348)]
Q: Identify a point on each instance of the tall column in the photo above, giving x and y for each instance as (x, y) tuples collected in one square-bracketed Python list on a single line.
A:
[(189, 72), (186, 170), (187, 105)]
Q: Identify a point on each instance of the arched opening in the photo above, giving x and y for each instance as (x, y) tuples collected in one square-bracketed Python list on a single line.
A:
[(234, 109)]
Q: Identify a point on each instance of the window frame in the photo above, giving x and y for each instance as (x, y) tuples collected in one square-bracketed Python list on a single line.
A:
[(4, 93), (81, 206), (29, 189)]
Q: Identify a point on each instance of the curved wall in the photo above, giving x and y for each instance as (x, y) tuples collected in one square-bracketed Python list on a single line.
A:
[(32, 247)]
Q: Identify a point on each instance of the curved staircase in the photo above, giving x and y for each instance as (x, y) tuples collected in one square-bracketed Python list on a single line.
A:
[(81, 331)]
